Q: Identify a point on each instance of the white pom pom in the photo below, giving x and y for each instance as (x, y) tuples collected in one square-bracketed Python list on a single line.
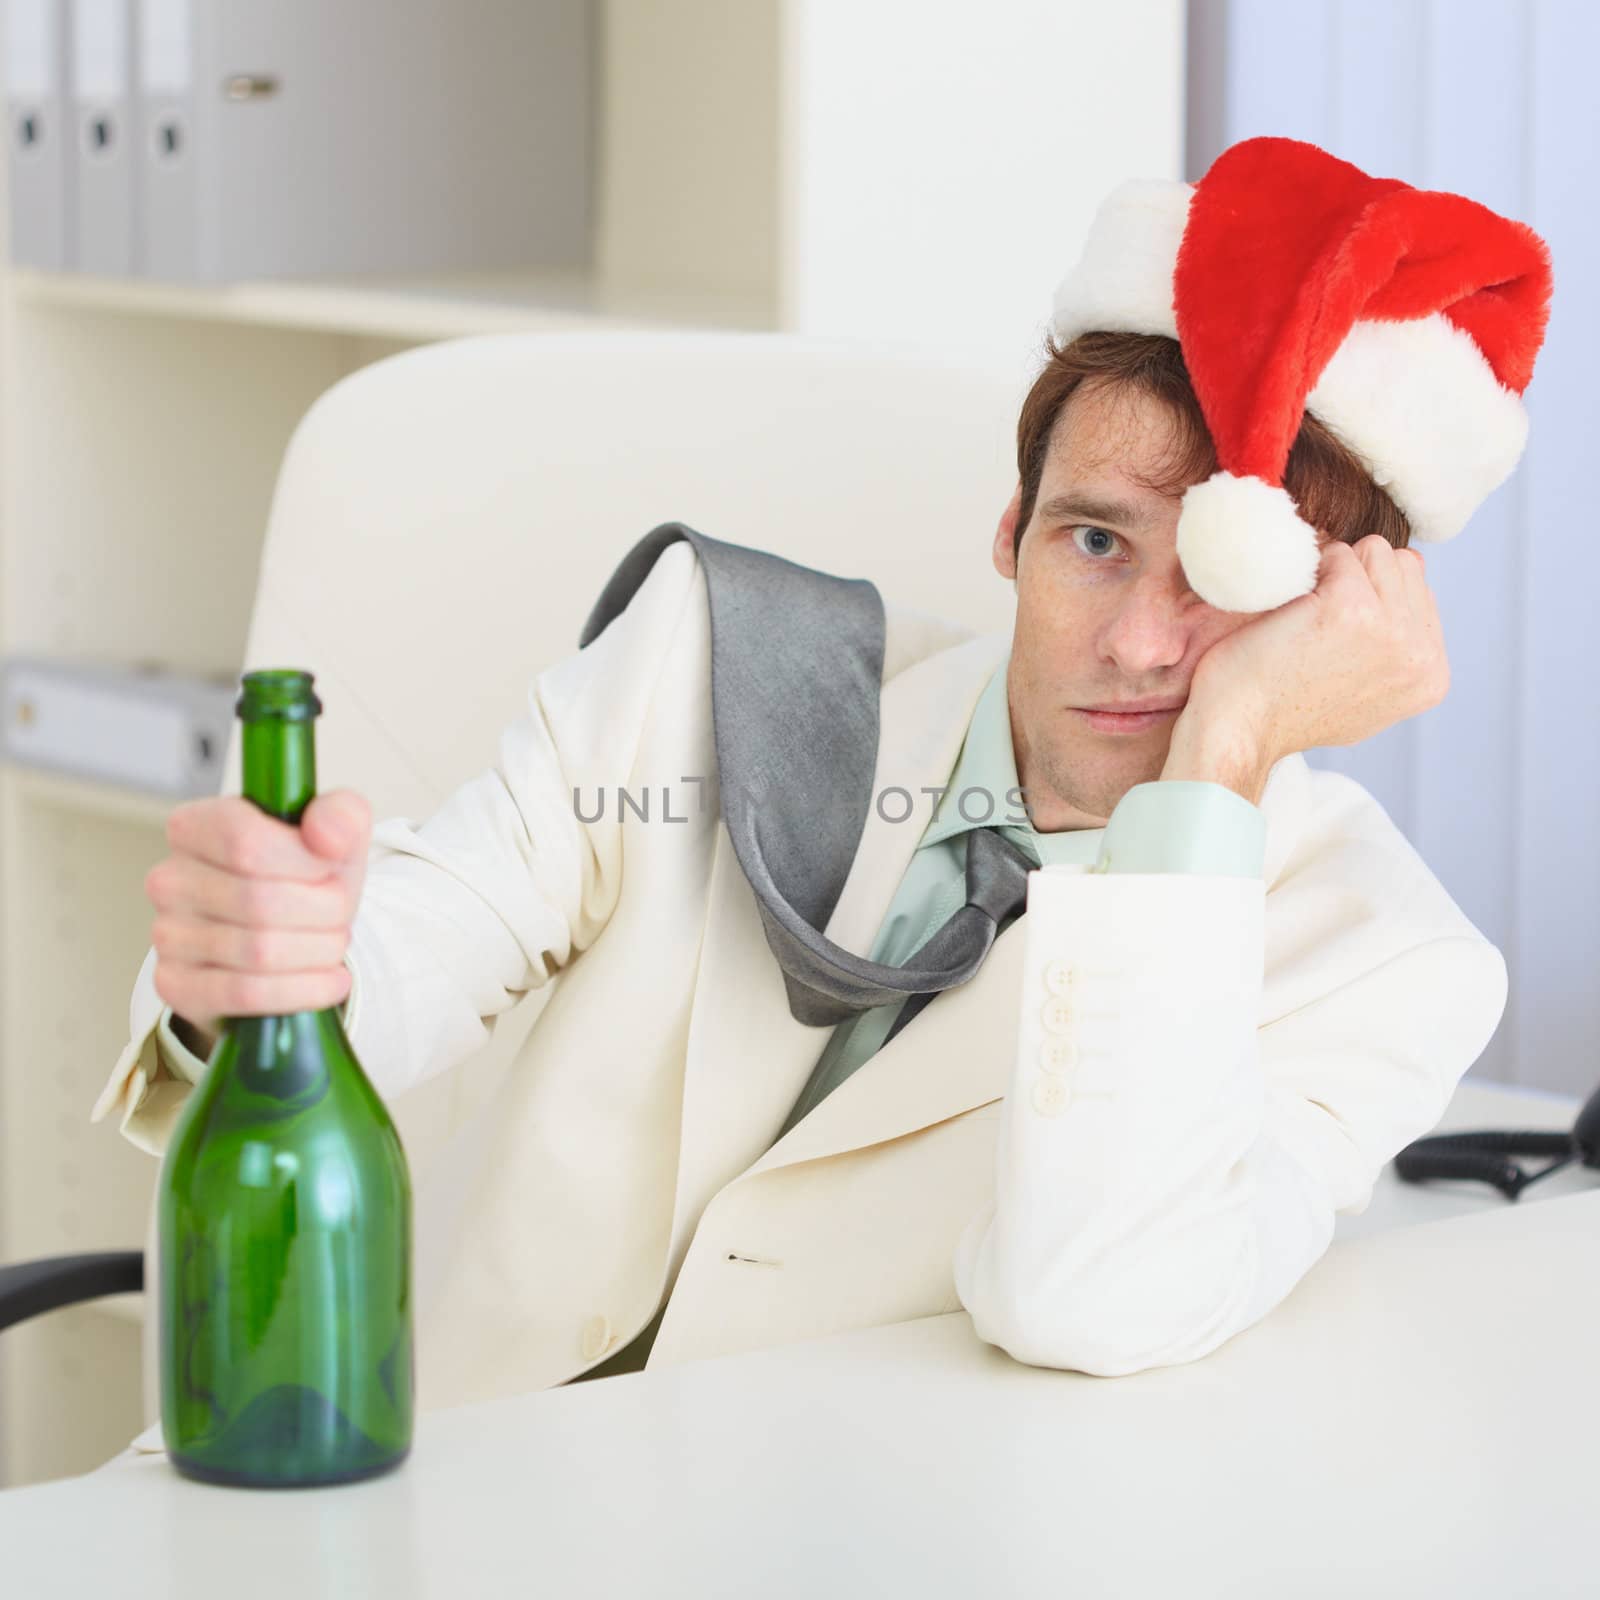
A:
[(1243, 545)]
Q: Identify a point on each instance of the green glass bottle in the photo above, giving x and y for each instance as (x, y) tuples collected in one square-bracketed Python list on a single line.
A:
[(285, 1219)]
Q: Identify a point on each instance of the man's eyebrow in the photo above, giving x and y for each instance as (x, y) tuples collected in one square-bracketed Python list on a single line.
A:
[(1093, 508)]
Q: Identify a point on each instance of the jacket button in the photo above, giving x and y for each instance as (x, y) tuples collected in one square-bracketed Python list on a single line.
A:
[(1050, 1097), (1058, 1055), (1058, 977), (596, 1336), (1056, 1016)]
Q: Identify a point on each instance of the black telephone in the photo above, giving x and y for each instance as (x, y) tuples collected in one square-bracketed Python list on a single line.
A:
[(1487, 1156)]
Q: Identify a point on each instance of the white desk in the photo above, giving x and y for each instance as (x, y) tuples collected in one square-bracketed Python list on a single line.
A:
[(1475, 1104), (1415, 1420)]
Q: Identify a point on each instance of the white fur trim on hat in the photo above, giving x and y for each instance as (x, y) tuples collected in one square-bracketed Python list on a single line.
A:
[(1415, 400), (1423, 409), (1122, 282), (1243, 545)]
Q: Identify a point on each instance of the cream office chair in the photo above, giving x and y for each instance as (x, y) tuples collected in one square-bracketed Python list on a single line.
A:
[(444, 519)]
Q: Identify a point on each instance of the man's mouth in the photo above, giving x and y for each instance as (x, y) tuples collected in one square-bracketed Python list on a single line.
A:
[(1118, 719)]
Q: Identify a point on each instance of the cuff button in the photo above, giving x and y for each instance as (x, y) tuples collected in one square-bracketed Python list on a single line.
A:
[(1058, 1055), (1056, 1016), (1059, 977), (1050, 1097)]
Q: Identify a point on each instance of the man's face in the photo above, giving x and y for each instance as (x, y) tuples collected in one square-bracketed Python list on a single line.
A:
[(1104, 612)]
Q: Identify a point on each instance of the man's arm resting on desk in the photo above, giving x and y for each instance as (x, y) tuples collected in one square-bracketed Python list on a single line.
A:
[(1168, 1166)]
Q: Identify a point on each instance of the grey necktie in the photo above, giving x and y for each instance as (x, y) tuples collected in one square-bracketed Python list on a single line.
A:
[(796, 671)]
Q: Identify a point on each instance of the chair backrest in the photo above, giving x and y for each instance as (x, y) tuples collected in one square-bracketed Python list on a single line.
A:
[(444, 520)]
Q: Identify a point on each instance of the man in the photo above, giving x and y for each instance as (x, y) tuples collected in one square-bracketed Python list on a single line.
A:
[(1237, 991)]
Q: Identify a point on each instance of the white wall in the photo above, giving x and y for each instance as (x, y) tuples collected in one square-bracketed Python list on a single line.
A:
[(1497, 787), (943, 160), (687, 144)]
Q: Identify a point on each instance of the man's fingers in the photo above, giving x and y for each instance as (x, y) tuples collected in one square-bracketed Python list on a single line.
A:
[(1327, 564), (1414, 579), (1378, 558), (336, 825), (186, 942), (217, 992), (180, 885), (1425, 631), (1338, 566), (238, 836)]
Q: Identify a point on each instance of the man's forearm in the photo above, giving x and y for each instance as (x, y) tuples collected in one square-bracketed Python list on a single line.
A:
[(1121, 1234)]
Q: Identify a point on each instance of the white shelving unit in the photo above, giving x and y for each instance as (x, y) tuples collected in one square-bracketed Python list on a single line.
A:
[(744, 185)]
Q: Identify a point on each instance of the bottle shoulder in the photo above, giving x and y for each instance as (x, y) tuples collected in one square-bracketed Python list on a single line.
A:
[(290, 1085)]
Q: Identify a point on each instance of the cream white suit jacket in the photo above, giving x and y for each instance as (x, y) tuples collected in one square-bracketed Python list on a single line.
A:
[(1122, 1142)]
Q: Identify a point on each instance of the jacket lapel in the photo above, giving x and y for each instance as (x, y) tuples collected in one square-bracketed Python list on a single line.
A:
[(747, 1059), (954, 1055)]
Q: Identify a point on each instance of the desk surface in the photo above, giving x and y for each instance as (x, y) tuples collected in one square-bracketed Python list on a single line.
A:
[(1415, 1419), (1477, 1103)]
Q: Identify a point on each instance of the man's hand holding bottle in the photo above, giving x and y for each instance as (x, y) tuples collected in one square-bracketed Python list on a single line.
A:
[(253, 915)]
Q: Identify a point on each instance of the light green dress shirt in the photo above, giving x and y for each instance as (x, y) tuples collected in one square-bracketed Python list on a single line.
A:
[(1171, 826)]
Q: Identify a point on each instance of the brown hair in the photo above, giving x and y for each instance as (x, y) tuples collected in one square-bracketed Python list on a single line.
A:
[(1331, 488)]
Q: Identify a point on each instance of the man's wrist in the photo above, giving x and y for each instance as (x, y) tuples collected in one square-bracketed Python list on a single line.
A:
[(1210, 749)]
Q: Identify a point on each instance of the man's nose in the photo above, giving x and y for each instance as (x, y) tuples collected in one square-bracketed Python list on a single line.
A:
[(1151, 626)]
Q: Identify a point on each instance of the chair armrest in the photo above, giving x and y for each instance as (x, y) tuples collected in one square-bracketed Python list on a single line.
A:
[(30, 1288)]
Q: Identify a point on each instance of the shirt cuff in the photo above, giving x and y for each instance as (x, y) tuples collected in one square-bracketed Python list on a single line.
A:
[(1184, 825), (179, 1060)]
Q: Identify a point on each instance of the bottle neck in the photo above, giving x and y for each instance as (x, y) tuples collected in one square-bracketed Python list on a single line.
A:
[(280, 776), (286, 1064), (280, 765)]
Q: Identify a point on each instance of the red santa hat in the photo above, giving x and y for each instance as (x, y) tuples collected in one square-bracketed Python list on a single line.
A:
[(1407, 320)]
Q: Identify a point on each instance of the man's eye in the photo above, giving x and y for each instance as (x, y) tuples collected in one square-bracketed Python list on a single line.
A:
[(1103, 540)]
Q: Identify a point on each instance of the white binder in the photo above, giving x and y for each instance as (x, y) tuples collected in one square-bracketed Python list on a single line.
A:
[(310, 138), (101, 79), (145, 728), (170, 243), (38, 169)]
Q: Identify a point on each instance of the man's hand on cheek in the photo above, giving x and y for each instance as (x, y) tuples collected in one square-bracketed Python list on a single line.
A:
[(1363, 650)]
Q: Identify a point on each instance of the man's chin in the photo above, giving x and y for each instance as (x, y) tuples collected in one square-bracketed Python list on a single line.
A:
[(1089, 805)]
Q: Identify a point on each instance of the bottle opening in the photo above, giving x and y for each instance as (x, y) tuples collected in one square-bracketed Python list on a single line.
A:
[(279, 693)]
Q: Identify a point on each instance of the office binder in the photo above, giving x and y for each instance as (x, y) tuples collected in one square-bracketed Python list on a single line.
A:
[(170, 245), (38, 163), (313, 138), (144, 728), (101, 80)]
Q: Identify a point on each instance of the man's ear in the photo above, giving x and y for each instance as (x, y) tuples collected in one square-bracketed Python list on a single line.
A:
[(1005, 537)]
